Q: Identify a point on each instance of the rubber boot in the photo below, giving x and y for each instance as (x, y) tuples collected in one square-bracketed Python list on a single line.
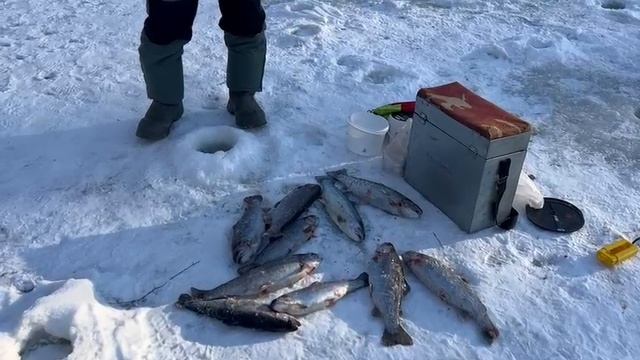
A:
[(245, 70), (162, 70), (248, 113)]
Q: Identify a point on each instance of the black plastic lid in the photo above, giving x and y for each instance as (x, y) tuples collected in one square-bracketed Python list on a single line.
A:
[(557, 215)]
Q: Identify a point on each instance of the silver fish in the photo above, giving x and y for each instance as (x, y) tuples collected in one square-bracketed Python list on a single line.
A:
[(318, 296), (341, 211), (290, 207), (247, 232), (241, 312), (377, 195), (388, 287), (451, 288), (270, 277), (295, 235)]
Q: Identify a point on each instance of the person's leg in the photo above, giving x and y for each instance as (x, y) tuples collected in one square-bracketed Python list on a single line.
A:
[(243, 22), (166, 30)]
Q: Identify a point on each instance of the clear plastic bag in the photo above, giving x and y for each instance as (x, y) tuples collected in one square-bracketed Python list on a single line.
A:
[(394, 152), (527, 193)]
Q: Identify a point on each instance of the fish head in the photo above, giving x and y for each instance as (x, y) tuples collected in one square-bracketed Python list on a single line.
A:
[(409, 209), (310, 261), (183, 299), (255, 200), (413, 257), (243, 255), (384, 250), (287, 304), (356, 230)]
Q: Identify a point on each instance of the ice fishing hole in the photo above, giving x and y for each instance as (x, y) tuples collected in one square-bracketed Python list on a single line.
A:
[(614, 5), (42, 345), (222, 142)]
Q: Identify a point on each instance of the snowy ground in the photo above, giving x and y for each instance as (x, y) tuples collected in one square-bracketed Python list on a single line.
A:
[(95, 216)]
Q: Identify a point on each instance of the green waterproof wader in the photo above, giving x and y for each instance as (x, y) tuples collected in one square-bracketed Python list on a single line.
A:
[(168, 28)]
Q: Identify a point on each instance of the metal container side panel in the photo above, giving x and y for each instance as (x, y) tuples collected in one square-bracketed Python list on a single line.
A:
[(508, 145), (471, 139), (443, 170), (484, 216)]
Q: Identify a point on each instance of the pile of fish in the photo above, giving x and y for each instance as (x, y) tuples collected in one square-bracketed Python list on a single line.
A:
[(244, 300), (264, 244)]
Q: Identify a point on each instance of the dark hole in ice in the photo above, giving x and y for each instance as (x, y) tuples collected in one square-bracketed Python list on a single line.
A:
[(42, 345), (213, 147), (614, 5), (637, 113)]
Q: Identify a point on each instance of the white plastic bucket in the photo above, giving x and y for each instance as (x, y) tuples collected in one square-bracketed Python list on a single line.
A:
[(366, 133)]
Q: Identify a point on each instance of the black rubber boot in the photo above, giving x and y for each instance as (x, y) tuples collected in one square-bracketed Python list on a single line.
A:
[(157, 122), (249, 114)]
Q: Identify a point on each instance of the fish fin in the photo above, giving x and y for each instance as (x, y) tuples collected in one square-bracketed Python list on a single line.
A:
[(342, 187), (375, 312), (323, 178), (407, 288), (356, 200), (265, 288), (337, 172), (364, 277), (198, 293), (330, 302), (401, 337), (246, 268), (266, 218)]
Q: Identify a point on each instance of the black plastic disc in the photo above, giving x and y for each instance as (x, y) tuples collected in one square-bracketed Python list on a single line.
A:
[(557, 215)]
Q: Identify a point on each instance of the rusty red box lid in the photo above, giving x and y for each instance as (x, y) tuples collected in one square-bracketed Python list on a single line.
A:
[(474, 112)]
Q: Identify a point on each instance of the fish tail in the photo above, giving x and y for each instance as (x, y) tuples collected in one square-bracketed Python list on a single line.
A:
[(400, 337), (198, 294), (491, 332), (338, 172), (364, 277)]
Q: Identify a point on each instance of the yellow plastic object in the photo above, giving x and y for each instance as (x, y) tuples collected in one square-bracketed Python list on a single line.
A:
[(619, 251)]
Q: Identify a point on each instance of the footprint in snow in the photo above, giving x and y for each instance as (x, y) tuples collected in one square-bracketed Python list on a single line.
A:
[(306, 30), (384, 74), (351, 61)]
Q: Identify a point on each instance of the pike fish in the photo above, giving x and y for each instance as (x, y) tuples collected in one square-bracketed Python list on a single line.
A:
[(247, 313), (388, 287), (341, 210), (295, 235), (290, 207), (264, 279), (377, 195), (451, 288), (318, 296), (247, 232)]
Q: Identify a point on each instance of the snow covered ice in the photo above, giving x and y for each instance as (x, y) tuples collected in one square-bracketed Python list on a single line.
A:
[(95, 217)]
